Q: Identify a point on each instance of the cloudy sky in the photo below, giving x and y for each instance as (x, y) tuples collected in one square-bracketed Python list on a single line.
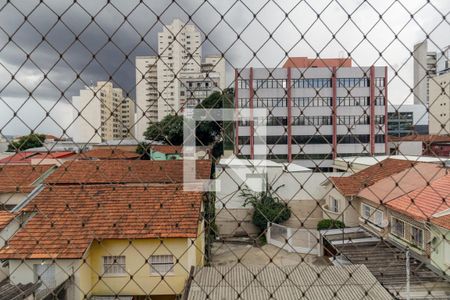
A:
[(46, 49)]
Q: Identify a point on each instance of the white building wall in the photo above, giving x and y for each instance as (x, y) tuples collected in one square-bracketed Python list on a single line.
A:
[(439, 117), (87, 118)]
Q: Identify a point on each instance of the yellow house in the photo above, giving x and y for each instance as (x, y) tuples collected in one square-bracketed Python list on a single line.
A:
[(97, 241)]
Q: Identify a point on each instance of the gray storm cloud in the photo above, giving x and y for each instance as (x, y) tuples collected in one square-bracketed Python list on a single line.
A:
[(49, 71)]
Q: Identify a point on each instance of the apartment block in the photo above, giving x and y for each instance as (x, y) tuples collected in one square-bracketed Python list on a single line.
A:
[(315, 112), (178, 77), (102, 112), (439, 109)]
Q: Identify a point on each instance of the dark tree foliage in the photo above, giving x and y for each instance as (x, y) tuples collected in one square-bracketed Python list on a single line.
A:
[(268, 207), (330, 224), (26, 142)]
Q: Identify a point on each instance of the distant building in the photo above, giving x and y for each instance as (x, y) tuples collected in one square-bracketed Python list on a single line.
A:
[(439, 118), (180, 77), (407, 119), (101, 113), (315, 112), (424, 68), (427, 64)]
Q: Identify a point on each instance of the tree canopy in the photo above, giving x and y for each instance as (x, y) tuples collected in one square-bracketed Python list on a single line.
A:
[(170, 129), (26, 142)]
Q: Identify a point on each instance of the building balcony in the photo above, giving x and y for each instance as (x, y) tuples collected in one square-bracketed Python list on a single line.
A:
[(329, 214)]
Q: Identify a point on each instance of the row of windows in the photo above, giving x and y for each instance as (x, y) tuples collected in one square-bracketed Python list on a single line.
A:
[(159, 264), (317, 120), (312, 83), (312, 139), (310, 101), (317, 83)]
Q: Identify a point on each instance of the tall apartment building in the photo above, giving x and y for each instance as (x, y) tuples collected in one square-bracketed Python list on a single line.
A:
[(439, 115), (317, 110), (426, 65), (179, 77), (101, 113)]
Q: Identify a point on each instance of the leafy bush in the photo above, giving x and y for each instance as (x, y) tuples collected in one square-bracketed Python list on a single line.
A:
[(330, 224), (268, 208), (26, 142)]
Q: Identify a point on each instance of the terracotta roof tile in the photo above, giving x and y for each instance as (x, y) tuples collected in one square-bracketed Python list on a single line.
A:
[(351, 185), (125, 171), (423, 203), (69, 218), (168, 149), (5, 218), (109, 154), (443, 221), (20, 178)]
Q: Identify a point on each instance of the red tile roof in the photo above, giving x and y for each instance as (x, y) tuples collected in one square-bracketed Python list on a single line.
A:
[(69, 218), (443, 221), (423, 203), (168, 149), (5, 218), (21, 157), (403, 182), (305, 62), (351, 185), (109, 154), (20, 178), (126, 171)]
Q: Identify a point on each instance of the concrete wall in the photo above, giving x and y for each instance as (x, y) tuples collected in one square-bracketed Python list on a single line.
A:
[(439, 105), (304, 192), (440, 254), (406, 148)]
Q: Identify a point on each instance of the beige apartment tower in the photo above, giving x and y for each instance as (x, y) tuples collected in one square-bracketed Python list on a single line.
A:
[(101, 113), (439, 116), (179, 78)]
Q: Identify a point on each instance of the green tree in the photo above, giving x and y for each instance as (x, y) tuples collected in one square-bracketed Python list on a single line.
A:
[(144, 150), (268, 208), (330, 224), (169, 130), (26, 142)]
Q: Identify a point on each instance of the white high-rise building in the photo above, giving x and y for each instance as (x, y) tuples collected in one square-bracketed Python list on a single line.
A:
[(439, 117), (179, 77), (424, 68), (102, 113)]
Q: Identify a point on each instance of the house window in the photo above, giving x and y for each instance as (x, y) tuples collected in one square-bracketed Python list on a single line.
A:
[(161, 264), (366, 211), (114, 264), (417, 236), (334, 205), (378, 218), (398, 227)]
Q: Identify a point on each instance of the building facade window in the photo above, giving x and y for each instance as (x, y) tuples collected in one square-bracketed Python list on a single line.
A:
[(417, 237), (398, 228), (271, 83), (334, 204), (161, 264), (316, 83), (353, 101), (352, 82), (311, 101), (114, 264)]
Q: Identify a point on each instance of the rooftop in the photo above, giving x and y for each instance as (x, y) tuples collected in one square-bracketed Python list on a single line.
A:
[(5, 218), (233, 161), (126, 171), (302, 281), (425, 202), (352, 185), (69, 218), (105, 153), (305, 62), (20, 178), (403, 182)]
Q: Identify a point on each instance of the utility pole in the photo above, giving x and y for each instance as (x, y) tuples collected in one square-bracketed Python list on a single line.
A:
[(407, 274)]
